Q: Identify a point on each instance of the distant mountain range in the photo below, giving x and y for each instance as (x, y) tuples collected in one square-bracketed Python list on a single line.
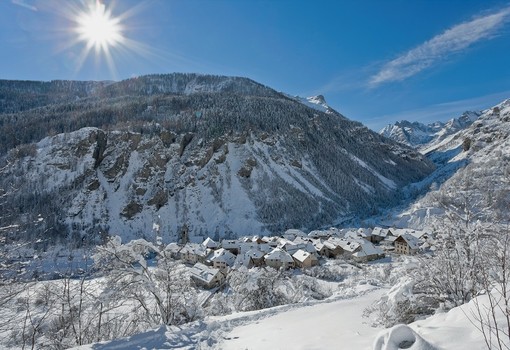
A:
[(418, 135), (209, 155), (472, 155)]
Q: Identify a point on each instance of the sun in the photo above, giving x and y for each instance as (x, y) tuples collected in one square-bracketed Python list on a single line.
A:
[(98, 28)]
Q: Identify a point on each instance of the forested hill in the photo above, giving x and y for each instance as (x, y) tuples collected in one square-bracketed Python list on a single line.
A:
[(221, 156)]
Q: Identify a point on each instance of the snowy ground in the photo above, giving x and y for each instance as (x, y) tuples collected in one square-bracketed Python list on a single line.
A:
[(320, 326), (332, 324), (314, 325)]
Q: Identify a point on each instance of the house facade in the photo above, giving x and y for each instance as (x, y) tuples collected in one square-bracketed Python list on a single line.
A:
[(304, 259), (206, 276), (406, 244)]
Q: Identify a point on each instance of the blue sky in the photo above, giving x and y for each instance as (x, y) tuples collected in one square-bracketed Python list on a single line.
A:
[(374, 61)]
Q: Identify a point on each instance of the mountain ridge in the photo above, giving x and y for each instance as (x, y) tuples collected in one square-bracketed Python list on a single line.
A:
[(216, 156)]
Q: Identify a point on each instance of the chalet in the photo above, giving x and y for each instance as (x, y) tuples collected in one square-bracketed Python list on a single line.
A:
[(367, 252), (364, 233), (379, 234), (349, 246), (250, 258), (209, 243), (279, 258), (231, 245), (293, 233), (271, 241), (406, 244), (257, 239), (246, 246), (221, 259), (334, 246), (304, 259), (205, 276), (306, 244), (320, 248), (320, 234), (192, 253)]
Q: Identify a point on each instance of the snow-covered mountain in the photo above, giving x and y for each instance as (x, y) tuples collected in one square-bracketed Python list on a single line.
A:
[(475, 163), (316, 102), (211, 155), (419, 135)]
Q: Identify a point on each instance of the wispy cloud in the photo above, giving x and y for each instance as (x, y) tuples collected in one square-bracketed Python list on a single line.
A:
[(24, 4), (452, 41)]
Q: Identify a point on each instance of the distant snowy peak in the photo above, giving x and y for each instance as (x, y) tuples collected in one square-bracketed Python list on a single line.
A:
[(411, 133), (419, 135), (316, 102)]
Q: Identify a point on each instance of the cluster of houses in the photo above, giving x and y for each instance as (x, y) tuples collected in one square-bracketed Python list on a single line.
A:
[(211, 260)]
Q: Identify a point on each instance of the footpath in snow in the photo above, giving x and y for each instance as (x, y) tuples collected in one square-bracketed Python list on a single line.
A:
[(329, 325)]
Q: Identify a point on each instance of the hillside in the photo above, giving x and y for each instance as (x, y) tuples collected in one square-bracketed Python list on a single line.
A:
[(207, 155), (475, 162)]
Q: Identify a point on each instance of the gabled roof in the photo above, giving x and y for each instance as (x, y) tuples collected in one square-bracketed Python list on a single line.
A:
[(364, 232), (379, 231), (412, 241), (223, 255), (368, 249), (245, 246), (301, 255), (320, 233), (203, 272), (318, 245), (349, 245), (230, 244), (173, 248), (210, 243), (293, 233), (278, 254), (193, 248), (255, 254)]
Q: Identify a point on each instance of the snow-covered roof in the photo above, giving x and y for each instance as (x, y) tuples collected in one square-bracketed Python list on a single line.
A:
[(368, 249), (173, 247), (412, 241), (293, 233), (242, 260), (193, 248), (349, 245), (320, 233), (245, 246), (210, 243), (278, 254), (255, 254), (223, 255), (203, 272), (301, 255), (379, 231), (230, 244)]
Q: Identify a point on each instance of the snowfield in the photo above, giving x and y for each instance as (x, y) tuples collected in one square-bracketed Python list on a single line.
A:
[(332, 324), (314, 325)]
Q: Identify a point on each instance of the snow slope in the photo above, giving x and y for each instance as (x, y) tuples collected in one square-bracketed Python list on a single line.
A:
[(318, 325), (332, 324)]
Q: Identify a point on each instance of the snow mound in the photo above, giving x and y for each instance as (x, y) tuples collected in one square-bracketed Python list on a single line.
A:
[(401, 337)]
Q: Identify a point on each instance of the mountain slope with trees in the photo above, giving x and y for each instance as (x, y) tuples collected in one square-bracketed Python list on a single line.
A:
[(195, 154)]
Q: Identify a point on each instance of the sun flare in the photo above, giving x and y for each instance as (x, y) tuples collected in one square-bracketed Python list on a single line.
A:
[(98, 28)]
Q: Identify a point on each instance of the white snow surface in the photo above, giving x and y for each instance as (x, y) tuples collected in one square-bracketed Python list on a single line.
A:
[(315, 325), (336, 323)]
